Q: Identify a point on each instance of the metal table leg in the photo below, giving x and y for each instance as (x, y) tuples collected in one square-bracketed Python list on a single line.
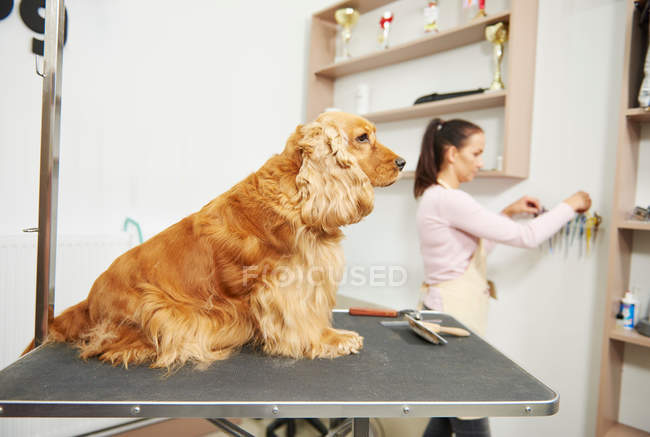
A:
[(361, 427), (230, 428)]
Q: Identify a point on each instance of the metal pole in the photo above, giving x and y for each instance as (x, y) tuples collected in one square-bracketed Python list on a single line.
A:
[(230, 428), (361, 427), (49, 173)]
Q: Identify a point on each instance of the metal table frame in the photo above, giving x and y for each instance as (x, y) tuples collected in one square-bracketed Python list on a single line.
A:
[(397, 374)]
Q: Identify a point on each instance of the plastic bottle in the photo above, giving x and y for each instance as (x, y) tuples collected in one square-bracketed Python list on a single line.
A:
[(629, 307), (362, 99), (619, 318)]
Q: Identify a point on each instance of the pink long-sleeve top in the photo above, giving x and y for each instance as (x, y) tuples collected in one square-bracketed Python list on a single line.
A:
[(450, 223)]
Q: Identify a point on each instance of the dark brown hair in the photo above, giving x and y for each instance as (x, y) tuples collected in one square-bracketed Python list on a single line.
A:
[(437, 138)]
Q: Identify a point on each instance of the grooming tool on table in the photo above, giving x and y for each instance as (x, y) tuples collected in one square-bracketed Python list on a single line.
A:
[(432, 325), (423, 331), (426, 329), (457, 332), (376, 312)]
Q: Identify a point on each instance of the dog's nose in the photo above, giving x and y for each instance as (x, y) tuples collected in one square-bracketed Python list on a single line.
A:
[(400, 163)]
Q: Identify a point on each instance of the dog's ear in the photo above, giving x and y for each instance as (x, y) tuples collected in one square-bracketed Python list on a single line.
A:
[(318, 140), (338, 143), (333, 191)]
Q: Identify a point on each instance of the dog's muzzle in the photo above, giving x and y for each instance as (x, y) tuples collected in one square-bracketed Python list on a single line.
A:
[(400, 163)]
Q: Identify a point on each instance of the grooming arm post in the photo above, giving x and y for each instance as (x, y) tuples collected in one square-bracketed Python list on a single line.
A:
[(49, 170)]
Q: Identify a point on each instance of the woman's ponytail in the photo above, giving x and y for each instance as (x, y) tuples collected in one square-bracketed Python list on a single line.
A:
[(438, 136), (426, 172)]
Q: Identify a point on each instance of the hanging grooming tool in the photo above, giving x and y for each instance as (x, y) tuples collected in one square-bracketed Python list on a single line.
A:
[(574, 228), (567, 233), (589, 226), (599, 220), (583, 220)]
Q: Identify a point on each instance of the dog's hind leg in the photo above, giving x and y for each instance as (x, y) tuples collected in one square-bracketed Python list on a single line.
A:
[(189, 330), (129, 348)]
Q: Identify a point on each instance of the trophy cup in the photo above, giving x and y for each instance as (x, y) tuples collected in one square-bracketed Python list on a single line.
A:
[(471, 5), (431, 17), (384, 29), (481, 10), (497, 34), (346, 18)]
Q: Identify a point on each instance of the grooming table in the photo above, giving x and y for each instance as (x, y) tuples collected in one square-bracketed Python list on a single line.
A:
[(397, 374)]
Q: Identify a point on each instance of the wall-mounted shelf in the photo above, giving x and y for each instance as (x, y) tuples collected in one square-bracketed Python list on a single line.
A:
[(629, 336), (623, 232), (520, 74), (428, 45), (636, 225), (448, 106), (410, 174), (640, 115), (620, 430)]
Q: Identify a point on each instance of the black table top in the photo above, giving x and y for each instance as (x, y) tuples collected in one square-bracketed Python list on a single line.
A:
[(396, 374)]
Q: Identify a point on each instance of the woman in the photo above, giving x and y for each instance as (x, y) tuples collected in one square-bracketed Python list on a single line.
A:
[(456, 232)]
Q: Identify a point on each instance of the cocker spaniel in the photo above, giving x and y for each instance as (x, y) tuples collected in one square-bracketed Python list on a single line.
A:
[(259, 264)]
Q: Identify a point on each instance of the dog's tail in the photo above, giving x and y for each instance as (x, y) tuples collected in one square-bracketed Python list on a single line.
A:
[(67, 327)]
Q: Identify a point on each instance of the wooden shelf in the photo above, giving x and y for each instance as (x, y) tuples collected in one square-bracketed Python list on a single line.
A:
[(362, 6), (520, 71), (629, 336), (636, 225), (639, 115), (410, 174), (621, 244), (459, 104), (428, 45), (620, 430)]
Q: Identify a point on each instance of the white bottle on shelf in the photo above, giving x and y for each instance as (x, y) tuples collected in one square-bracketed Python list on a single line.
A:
[(629, 307), (362, 99)]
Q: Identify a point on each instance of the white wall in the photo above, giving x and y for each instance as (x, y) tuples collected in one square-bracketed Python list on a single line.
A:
[(165, 107), (550, 310)]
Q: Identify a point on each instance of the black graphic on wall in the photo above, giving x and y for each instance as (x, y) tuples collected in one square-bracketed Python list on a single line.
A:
[(29, 13), (33, 20), (5, 8)]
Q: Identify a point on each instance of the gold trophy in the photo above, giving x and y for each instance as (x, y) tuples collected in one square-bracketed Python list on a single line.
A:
[(481, 10), (497, 34), (346, 18), (431, 17)]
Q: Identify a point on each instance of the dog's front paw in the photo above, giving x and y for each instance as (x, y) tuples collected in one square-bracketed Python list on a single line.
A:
[(338, 342)]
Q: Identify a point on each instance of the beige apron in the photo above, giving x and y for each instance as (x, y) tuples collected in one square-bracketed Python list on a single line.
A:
[(466, 297)]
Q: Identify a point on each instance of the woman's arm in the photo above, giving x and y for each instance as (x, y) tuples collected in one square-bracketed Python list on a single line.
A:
[(464, 213)]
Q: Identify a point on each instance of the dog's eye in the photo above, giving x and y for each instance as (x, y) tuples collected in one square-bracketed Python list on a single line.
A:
[(362, 138)]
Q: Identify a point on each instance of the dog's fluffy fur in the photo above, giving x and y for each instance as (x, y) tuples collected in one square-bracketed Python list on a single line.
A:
[(259, 264)]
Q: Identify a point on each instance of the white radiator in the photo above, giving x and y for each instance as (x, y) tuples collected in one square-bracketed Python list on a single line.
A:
[(80, 259)]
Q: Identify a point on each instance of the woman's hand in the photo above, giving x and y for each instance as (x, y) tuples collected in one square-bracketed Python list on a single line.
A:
[(525, 205), (580, 202)]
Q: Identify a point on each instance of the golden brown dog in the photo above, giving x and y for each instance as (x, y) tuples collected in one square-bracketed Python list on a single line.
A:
[(259, 264)]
